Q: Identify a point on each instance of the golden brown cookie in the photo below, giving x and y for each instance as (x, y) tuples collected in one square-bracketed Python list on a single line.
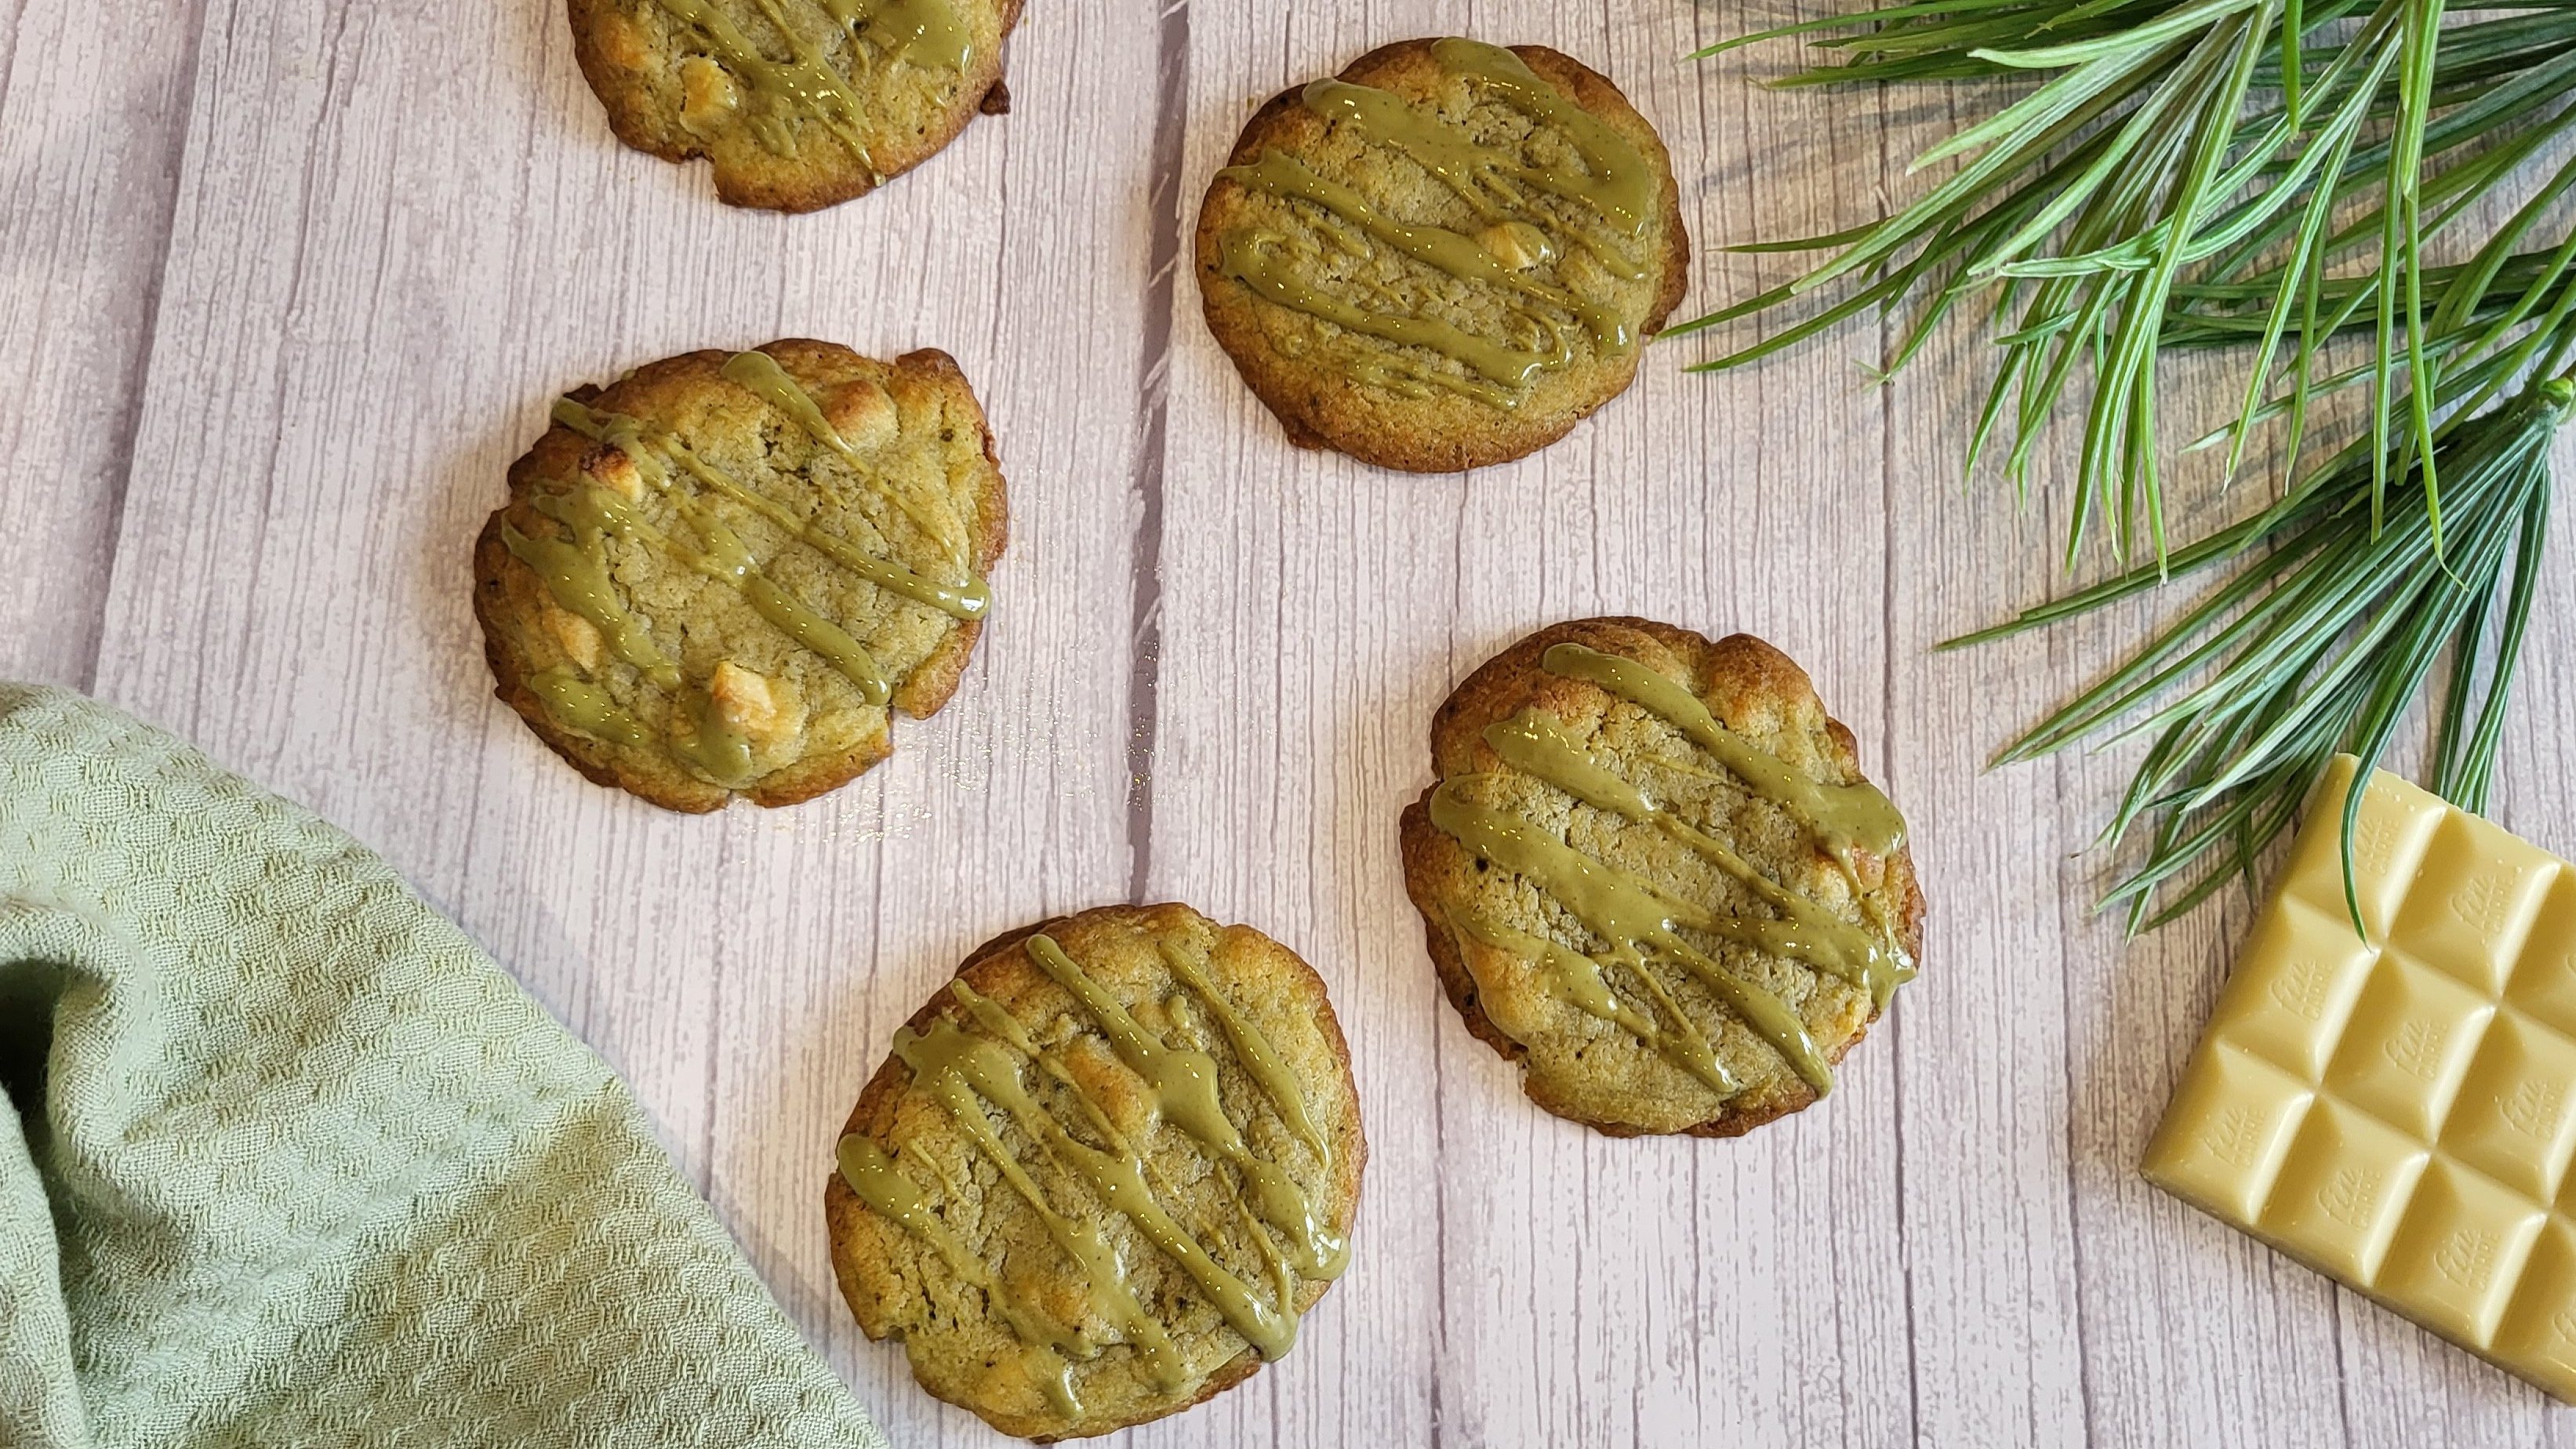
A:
[(1652, 873), (1445, 257), (798, 103), (718, 574), (1104, 1172)]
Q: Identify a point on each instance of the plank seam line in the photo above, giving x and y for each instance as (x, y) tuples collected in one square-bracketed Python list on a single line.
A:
[(2074, 1207), (1439, 1055), (9, 56), (714, 1101), (290, 342), (2343, 1370), (138, 369), (1153, 414), (1700, 1314), (1887, 713)]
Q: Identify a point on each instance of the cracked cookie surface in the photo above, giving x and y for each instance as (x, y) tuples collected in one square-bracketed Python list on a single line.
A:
[(1444, 257), (1652, 874), (797, 104), (721, 573), (1104, 1172)]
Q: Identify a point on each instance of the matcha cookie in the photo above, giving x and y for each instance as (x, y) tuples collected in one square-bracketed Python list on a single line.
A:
[(718, 574), (1445, 257), (1652, 874), (798, 103), (1104, 1172)]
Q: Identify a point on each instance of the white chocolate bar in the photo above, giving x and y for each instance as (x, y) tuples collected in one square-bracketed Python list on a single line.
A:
[(2399, 1112)]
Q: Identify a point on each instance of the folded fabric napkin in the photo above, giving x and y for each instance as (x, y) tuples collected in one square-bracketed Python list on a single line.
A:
[(292, 1162)]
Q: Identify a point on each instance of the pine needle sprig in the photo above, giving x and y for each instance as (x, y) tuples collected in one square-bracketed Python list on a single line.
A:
[(2174, 152), (2266, 176), (2318, 644)]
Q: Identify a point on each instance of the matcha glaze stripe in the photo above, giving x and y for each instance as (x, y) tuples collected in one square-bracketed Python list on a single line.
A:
[(927, 33), (759, 374), (1047, 1344), (1846, 818), (963, 1072), (1640, 920), (575, 570), (1614, 183), (969, 598)]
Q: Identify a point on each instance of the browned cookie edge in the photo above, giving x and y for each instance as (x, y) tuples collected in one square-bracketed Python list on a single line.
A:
[(1301, 401), (632, 117), (504, 587), (1738, 665), (984, 969)]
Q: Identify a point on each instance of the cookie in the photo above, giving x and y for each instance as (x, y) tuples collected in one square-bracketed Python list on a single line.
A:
[(1652, 873), (717, 575), (1104, 1172), (799, 104), (1445, 257)]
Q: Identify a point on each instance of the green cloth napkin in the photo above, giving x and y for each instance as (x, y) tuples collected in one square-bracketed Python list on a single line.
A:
[(293, 1162)]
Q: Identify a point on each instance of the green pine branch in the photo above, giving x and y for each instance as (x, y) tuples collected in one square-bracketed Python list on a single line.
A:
[(2264, 176)]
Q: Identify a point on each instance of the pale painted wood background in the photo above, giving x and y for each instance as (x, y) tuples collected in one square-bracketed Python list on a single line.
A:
[(284, 285)]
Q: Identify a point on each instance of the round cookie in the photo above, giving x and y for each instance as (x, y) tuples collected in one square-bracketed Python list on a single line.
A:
[(1445, 257), (1104, 1171), (1652, 873), (717, 575), (798, 103)]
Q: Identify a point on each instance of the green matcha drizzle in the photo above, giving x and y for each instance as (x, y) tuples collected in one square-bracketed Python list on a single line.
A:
[(1615, 182), (1535, 745), (575, 572), (1618, 183), (1459, 255), (1634, 916), (925, 32), (1846, 818), (806, 83), (1639, 919), (883, 1187), (759, 373), (1261, 1061), (716, 749), (653, 452), (963, 1072), (724, 560), (1576, 978), (1509, 369), (1183, 1084), (586, 707)]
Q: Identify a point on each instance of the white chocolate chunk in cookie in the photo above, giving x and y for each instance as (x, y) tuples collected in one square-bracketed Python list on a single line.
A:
[(707, 94), (863, 414), (618, 474), (751, 702), (579, 637), (1517, 245)]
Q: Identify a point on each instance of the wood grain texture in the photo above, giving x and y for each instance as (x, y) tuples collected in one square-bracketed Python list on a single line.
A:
[(93, 118), (408, 230), (395, 232)]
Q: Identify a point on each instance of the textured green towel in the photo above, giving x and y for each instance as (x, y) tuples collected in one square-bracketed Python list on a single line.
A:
[(292, 1162)]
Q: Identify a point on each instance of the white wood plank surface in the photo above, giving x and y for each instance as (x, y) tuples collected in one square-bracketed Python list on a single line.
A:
[(92, 121), (289, 282)]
